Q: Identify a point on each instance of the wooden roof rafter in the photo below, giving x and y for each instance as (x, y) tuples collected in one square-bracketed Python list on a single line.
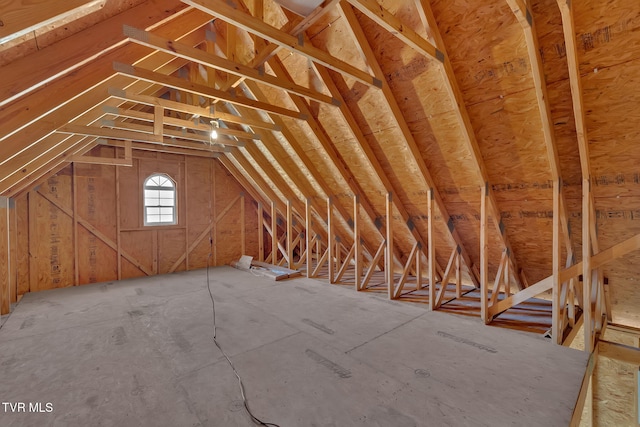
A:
[(213, 61), (201, 90), (322, 137), (282, 38), (21, 77), (462, 114), (590, 245), (453, 235), (296, 146), (178, 135), (525, 18), (31, 127), (191, 109), (375, 164), (196, 125), (134, 135)]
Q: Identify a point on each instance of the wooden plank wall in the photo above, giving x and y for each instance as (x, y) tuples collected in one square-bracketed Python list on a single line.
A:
[(85, 224)]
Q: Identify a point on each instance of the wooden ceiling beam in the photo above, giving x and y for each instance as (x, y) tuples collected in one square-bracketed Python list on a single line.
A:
[(170, 149), (132, 135), (19, 165), (173, 134), (452, 233), (388, 21), (202, 57), (256, 26), (202, 90), (172, 121), (29, 127), (190, 109), (87, 80), (28, 169)]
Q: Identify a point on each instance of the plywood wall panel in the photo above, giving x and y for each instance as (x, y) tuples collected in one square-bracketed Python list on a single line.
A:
[(52, 252), (97, 261), (130, 197), (96, 197), (22, 227), (171, 245), (5, 267)]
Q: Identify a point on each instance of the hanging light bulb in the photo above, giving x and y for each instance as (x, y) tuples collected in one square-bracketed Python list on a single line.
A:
[(214, 130)]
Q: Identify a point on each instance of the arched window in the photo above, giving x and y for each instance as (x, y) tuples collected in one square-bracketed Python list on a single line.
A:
[(159, 200)]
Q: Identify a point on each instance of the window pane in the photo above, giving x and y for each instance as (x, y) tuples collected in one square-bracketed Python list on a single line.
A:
[(164, 194), (166, 211), (151, 202), (164, 182), (166, 202), (151, 193), (153, 211), (153, 218)]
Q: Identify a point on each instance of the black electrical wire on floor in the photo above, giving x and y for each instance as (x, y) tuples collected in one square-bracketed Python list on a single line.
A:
[(255, 419)]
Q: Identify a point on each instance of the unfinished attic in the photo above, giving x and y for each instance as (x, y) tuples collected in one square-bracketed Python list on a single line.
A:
[(447, 194)]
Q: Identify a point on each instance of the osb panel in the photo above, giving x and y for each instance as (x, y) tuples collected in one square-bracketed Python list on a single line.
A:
[(607, 33), (97, 262), (301, 73), (548, 22), (619, 219), (615, 386), (486, 46), (564, 127), (96, 196), (251, 227), (282, 193), (130, 196), (610, 97), (52, 249), (337, 40), (22, 266), (227, 240), (5, 283), (139, 244), (171, 244), (198, 194), (509, 133), (304, 136), (440, 140)]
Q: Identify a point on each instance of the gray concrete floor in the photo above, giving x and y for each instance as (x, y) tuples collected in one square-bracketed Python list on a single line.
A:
[(139, 353)]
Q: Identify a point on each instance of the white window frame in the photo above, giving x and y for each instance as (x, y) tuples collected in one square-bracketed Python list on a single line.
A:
[(162, 179)]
